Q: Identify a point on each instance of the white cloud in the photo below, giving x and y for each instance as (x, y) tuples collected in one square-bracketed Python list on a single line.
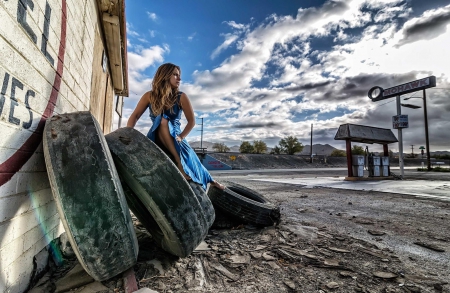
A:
[(138, 62), (141, 60), (192, 36), (389, 13), (132, 33), (237, 26), (152, 16), (229, 39), (280, 79)]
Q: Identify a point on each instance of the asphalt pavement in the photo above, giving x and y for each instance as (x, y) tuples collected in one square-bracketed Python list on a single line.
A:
[(434, 185)]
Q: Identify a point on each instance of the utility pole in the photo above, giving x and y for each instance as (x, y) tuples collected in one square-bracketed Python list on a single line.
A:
[(201, 136), (310, 149), (427, 141), (412, 150)]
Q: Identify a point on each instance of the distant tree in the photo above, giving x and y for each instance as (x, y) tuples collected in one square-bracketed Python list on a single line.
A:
[(276, 150), (220, 147), (290, 145), (338, 153), (259, 147), (357, 150), (246, 147)]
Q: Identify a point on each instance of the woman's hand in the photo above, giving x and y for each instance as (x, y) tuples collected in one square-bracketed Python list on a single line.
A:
[(178, 138)]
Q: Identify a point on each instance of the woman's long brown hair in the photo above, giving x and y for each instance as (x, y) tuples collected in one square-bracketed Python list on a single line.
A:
[(163, 96)]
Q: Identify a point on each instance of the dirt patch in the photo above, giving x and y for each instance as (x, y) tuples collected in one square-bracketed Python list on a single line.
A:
[(329, 240)]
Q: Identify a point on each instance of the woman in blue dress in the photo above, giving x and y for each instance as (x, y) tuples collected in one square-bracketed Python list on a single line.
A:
[(166, 103)]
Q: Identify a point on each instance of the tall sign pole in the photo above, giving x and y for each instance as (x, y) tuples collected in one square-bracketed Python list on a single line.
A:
[(400, 140), (427, 141), (377, 93)]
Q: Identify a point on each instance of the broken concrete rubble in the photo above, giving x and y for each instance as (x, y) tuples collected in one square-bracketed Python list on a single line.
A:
[(304, 262)]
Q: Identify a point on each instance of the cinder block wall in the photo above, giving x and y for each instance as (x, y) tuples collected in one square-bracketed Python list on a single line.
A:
[(46, 67)]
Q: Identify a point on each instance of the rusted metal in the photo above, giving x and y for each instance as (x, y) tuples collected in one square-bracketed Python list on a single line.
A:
[(129, 281), (349, 157)]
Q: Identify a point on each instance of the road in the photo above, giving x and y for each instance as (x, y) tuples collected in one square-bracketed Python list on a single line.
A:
[(420, 184)]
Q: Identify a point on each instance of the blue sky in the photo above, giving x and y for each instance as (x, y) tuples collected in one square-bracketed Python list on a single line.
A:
[(259, 69)]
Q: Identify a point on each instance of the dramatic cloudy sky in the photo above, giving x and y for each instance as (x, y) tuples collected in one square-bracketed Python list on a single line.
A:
[(263, 69)]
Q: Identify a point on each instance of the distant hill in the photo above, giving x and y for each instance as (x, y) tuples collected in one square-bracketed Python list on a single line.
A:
[(209, 145), (234, 149), (204, 144), (318, 149), (440, 153)]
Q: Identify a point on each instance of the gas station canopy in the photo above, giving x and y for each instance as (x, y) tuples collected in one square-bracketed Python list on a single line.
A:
[(365, 134)]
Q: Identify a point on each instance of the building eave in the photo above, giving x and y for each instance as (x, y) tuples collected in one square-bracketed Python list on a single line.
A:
[(113, 23)]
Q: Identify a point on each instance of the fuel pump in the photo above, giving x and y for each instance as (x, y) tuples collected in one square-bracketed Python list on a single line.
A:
[(374, 165)]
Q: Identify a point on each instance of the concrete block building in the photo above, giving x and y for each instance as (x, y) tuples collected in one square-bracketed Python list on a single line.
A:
[(57, 56)]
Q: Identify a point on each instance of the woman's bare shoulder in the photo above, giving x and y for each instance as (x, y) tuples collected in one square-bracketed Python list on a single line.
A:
[(147, 95), (184, 96)]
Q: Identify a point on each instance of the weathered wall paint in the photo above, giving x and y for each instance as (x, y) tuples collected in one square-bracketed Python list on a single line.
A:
[(46, 67), (211, 163)]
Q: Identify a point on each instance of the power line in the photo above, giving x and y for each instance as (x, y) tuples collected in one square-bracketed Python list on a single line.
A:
[(386, 103)]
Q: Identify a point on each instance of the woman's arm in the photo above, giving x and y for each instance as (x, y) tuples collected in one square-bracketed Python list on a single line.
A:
[(139, 110), (188, 113)]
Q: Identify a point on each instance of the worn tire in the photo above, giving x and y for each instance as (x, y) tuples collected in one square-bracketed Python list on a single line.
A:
[(224, 220), (245, 204), (88, 195), (157, 189), (205, 202)]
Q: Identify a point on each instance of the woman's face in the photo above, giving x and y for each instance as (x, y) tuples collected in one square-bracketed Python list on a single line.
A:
[(175, 78)]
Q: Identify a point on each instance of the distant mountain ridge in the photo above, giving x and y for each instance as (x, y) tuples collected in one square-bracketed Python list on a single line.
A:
[(318, 149)]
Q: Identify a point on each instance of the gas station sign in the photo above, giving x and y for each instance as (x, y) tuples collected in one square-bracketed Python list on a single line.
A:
[(400, 121), (377, 93)]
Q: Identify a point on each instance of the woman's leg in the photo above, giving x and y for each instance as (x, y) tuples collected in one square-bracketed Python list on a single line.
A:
[(167, 140)]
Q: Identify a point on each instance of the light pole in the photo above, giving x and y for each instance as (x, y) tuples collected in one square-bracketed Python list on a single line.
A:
[(201, 135), (427, 141)]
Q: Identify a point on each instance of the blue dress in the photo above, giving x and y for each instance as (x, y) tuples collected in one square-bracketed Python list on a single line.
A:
[(189, 159)]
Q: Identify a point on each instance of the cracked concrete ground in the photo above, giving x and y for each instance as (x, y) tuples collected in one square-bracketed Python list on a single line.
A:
[(329, 240)]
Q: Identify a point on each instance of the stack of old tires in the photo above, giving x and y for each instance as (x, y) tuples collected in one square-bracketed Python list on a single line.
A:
[(96, 178)]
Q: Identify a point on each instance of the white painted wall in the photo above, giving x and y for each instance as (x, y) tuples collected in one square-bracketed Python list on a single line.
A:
[(28, 214)]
